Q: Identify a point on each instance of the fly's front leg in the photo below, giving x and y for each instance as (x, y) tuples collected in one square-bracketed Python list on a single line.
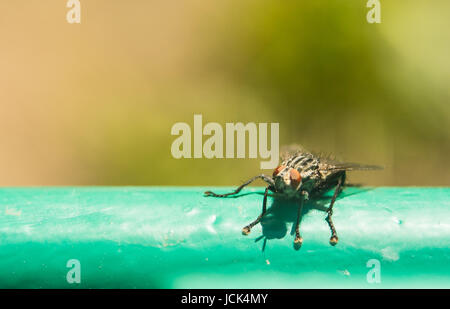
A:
[(334, 237), (246, 230), (263, 177), (298, 239)]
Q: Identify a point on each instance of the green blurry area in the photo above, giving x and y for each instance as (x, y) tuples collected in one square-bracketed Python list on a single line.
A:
[(93, 104)]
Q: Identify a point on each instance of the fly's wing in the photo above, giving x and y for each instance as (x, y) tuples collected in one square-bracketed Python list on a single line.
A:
[(330, 163), (349, 166)]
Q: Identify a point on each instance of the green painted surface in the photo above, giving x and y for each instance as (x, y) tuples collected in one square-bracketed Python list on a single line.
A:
[(175, 238)]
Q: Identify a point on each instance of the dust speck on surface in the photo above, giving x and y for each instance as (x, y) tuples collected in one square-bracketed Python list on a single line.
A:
[(345, 272), (390, 254), (209, 224), (12, 212), (192, 212), (397, 220)]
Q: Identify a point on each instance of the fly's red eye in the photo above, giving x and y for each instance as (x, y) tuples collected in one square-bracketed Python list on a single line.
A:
[(295, 177), (278, 170)]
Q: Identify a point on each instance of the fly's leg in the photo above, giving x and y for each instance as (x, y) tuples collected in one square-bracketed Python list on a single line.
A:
[(298, 239), (263, 177), (246, 230), (334, 237)]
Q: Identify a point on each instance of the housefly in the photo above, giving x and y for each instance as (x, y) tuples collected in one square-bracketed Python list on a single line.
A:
[(302, 176)]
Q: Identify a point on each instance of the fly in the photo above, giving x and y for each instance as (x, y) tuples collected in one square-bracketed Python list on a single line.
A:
[(303, 176)]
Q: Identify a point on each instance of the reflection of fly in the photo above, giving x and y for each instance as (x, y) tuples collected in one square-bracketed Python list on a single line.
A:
[(302, 176)]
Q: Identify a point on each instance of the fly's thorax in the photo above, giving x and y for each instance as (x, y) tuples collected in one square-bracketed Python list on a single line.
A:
[(299, 172), (325, 170)]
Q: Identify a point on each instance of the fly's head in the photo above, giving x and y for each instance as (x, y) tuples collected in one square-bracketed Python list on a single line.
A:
[(287, 180)]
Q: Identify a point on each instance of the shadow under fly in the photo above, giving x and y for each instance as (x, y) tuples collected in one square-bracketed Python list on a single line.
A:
[(283, 212)]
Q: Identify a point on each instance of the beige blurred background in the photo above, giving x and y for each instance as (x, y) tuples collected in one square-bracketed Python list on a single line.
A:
[(93, 103)]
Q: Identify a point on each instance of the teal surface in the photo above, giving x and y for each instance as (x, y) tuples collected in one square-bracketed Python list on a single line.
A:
[(159, 237)]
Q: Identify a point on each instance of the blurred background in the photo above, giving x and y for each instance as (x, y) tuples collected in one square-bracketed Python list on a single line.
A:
[(93, 103)]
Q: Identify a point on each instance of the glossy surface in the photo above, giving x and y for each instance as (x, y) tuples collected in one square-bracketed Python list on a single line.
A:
[(159, 237)]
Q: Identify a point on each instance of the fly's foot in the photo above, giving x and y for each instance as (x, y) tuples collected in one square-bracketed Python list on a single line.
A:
[(306, 195), (246, 230), (298, 241), (333, 240)]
